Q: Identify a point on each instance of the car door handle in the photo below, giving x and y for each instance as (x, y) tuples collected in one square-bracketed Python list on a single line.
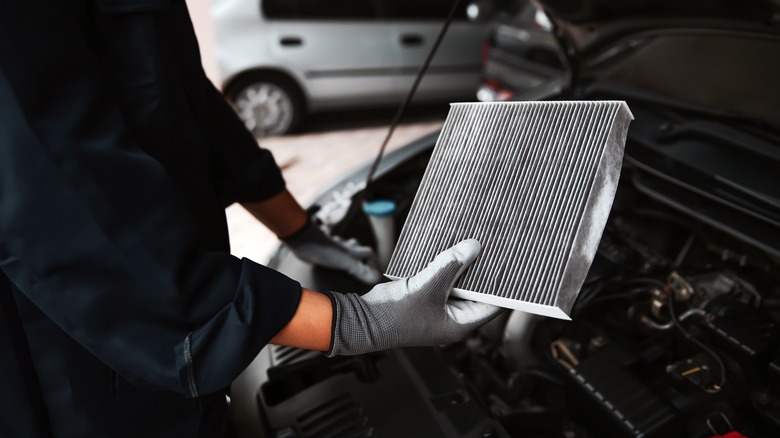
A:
[(291, 41), (410, 39)]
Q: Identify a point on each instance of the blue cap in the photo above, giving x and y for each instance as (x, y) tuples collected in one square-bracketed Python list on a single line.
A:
[(379, 207)]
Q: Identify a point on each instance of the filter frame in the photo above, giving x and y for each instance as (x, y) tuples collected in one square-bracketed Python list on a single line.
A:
[(510, 147)]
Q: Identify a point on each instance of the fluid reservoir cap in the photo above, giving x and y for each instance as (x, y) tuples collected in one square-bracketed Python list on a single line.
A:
[(379, 207)]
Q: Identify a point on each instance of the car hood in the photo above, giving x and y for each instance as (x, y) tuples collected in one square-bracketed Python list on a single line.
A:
[(701, 77), (728, 63), (593, 24)]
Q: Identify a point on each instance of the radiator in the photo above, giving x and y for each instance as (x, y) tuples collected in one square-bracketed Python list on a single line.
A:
[(534, 183)]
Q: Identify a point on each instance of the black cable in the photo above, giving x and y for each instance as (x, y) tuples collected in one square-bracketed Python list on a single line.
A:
[(409, 96), (586, 296), (645, 280), (706, 349), (618, 296), (543, 375), (592, 296)]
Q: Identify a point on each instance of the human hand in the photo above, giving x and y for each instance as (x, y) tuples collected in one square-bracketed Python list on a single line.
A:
[(314, 246), (410, 312)]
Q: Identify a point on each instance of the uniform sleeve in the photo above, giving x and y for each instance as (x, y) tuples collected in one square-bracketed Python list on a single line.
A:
[(94, 234), (245, 172)]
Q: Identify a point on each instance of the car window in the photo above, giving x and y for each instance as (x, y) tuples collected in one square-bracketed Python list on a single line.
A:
[(420, 10), (319, 9)]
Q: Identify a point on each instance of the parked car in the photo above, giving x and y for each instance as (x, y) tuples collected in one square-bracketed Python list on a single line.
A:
[(676, 330), (520, 53), (283, 58)]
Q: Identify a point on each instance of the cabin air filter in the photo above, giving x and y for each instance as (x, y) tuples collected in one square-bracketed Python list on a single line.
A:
[(534, 183)]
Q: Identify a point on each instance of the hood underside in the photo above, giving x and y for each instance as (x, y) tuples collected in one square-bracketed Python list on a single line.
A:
[(702, 79), (719, 57), (761, 15)]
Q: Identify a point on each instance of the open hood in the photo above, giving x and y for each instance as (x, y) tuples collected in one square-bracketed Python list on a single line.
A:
[(718, 55), (702, 78), (593, 24)]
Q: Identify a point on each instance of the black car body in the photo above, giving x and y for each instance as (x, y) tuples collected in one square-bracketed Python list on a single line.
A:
[(676, 330)]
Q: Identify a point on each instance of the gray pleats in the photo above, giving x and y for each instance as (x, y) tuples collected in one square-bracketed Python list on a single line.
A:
[(533, 182)]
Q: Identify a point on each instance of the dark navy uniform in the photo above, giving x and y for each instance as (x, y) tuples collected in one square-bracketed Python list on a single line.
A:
[(121, 312)]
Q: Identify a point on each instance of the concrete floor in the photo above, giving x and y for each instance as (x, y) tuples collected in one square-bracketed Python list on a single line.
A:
[(312, 161)]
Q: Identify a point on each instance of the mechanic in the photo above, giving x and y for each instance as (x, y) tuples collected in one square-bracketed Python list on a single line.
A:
[(122, 312)]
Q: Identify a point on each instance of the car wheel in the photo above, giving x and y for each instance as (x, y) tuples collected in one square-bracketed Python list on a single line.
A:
[(267, 104)]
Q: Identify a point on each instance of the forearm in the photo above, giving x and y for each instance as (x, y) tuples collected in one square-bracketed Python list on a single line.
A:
[(311, 325), (309, 242), (281, 214), (417, 311)]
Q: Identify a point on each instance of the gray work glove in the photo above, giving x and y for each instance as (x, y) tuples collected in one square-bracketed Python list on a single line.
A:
[(313, 245), (410, 312)]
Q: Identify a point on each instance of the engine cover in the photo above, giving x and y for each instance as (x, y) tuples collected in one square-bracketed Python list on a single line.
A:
[(409, 392)]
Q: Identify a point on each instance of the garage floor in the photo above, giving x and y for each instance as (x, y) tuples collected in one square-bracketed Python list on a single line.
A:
[(311, 162)]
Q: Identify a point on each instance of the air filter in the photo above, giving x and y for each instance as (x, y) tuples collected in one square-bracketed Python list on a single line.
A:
[(534, 183)]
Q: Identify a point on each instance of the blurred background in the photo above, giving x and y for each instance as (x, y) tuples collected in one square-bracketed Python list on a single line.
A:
[(318, 82)]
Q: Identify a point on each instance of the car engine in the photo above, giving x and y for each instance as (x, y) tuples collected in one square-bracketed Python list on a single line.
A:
[(675, 333)]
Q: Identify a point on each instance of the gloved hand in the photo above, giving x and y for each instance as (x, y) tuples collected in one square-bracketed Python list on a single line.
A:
[(312, 245), (410, 312)]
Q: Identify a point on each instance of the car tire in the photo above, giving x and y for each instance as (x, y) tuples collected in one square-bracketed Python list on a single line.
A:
[(268, 104)]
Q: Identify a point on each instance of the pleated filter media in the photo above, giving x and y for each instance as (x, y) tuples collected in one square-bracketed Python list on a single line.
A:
[(534, 183)]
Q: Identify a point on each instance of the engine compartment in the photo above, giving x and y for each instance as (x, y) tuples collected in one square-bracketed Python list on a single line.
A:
[(674, 333)]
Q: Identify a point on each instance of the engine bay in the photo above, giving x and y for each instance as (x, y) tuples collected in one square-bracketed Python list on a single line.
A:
[(675, 333)]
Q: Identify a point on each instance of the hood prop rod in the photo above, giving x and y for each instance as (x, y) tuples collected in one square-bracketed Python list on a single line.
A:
[(408, 99)]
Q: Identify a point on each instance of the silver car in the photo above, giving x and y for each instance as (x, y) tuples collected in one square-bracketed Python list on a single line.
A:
[(280, 59)]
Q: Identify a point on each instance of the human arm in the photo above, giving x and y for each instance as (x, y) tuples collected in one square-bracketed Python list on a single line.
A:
[(311, 325), (281, 214), (247, 174), (95, 234), (410, 312), (284, 216)]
